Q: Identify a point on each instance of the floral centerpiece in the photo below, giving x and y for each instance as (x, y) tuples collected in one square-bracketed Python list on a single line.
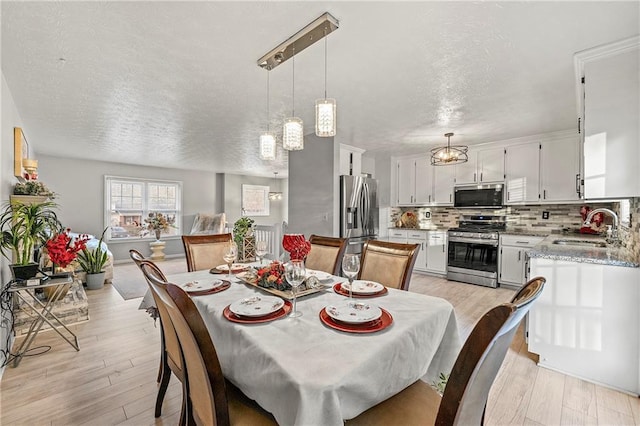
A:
[(297, 246), (157, 222), (272, 276), (62, 249)]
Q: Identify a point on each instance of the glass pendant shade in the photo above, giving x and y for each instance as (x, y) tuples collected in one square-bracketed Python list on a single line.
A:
[(326, 117), (293, 134), (450, 154), (275, 195), (267, 146)]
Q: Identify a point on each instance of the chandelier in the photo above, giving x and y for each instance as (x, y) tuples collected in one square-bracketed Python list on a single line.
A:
[(449, 155), (275, 195), (268, 139), (292, 131), (325, 108)]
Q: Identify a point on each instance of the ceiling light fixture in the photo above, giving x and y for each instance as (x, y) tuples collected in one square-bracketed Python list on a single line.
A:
[(275, 195), (293, 131), (320, 27), (268, 139), (449, 155), (325, 108)]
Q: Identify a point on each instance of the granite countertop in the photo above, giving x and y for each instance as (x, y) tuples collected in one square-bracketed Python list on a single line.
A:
[(528, 233), (610, 255), (419, 229)]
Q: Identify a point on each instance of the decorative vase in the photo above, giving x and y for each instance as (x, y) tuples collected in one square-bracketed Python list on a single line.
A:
[(158, 232), (95, 281)]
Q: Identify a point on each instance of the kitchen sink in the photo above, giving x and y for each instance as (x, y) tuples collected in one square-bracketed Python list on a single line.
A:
[(580, 243)]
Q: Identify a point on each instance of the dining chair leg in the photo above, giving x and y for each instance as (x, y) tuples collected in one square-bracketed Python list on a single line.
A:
[(164, 384), (163, 357)]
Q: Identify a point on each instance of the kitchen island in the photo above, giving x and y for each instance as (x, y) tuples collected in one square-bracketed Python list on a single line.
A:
[(586, 323)]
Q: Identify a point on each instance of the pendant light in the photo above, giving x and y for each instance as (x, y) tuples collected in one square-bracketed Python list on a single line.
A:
[(268, 139), (292, 132), (449, 155), (275, 195), (325, 108)]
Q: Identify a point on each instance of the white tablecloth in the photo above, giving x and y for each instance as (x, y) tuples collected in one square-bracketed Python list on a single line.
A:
[(306, 373)]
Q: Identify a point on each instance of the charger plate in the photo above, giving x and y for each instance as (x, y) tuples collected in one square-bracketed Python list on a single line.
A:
[(344, 292), (381, 323), (284, 311)]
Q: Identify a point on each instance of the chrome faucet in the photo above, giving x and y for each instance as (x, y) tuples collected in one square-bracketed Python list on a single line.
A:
[(614, 228)]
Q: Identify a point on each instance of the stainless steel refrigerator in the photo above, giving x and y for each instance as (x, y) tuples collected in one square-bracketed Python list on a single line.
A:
[(358, 210)]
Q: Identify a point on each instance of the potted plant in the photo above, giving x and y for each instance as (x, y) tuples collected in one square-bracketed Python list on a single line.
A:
[(156, 223), (22, 191), (243, 236), (26, 227), (92, 262)]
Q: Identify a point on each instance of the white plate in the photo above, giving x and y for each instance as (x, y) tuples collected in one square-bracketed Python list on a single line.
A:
[(353, 312), (201, 285), (322, 276), (256, 306), (234, 267), (363, 287)]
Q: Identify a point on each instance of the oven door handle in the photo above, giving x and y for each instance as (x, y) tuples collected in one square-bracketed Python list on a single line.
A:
[(489, 243)]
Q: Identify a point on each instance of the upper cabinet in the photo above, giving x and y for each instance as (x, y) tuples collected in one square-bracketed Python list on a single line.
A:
[(484, 166), (522, 173), (421, 184), (609, 97), (560, 170), (406, 180), (350, 160)]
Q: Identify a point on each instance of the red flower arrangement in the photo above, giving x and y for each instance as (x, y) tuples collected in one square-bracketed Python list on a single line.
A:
[(63, 250), (272, 276), (297, 246)]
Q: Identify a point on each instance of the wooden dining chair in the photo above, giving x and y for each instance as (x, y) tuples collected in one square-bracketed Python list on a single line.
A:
[(326, 253), (212, 400), (465, 397), (205, 251), (388, 263), (170, 353), (136, 256)]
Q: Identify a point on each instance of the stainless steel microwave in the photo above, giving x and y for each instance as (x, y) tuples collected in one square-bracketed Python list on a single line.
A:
[(478, 196)]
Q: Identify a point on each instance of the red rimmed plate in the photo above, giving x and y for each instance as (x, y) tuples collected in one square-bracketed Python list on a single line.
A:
[(371, 327), (338, 289), (249, 320), (225, 285)]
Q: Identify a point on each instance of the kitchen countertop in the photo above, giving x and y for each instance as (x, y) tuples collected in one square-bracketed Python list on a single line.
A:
[(418, 229), (610, 255)]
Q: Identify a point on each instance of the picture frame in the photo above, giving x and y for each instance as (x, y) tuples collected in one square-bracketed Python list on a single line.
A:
[(20, 151), (255, 200)]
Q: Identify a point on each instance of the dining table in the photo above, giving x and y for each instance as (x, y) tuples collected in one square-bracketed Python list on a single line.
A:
[(305, 372)]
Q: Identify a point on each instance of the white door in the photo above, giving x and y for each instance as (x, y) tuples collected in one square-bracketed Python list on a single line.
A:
[(511, 265), (522, 170), (560, 170), (406, 181), (421, 257), (466, 173), (491, 165), (424, 181), (443, 180), (437, 252)]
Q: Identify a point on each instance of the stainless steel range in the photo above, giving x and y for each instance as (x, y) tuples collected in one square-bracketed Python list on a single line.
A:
[(473, 250)]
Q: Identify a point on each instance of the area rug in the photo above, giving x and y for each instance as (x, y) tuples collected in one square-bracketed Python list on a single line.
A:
[(130, 283)]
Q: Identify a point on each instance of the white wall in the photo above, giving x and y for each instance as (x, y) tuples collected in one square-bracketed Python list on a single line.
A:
[(233, 198), (80, 185), (10, 118)]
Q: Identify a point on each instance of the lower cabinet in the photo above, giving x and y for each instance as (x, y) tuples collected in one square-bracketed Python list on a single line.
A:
[(513, 259), (432, 250)]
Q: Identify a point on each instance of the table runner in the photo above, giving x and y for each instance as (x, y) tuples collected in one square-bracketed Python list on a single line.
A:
[(306, 373)]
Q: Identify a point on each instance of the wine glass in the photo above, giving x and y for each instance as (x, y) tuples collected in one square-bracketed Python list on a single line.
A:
[(295, 274), (230, 255), (261, 249), (350, 268)]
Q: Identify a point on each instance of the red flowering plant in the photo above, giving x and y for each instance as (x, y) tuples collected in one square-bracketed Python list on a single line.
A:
[(272, 276), (62, 249)]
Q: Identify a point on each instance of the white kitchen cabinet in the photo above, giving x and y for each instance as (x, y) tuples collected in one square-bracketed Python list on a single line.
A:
[(436, 252), (418, 237), (424, 182), (398, 236), (350, 160), (560, 170), (443, 181), (610, 106), (513, 260), (522, 167), (586, 322), (484, 166), (406, 169)]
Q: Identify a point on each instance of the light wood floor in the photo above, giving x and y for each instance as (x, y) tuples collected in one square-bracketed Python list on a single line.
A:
[(112, 380)]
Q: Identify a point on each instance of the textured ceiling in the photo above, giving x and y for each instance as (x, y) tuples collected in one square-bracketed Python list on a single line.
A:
[(176, 84)]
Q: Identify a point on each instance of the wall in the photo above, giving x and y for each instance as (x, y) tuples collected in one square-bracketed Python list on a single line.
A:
[(9, 118), (312, 184), (233, 198), (80, 185)]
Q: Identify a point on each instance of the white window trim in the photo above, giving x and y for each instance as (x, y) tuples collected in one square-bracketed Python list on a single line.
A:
[(107, 210)]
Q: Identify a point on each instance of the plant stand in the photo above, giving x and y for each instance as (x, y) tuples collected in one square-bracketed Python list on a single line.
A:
[(157, 250), (247, 253)]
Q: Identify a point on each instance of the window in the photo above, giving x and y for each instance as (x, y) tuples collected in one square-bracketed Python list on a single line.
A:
[(130, 201)]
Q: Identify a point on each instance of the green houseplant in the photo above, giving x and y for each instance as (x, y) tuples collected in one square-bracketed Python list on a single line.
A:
[(26, 227), (92, 261), (243, 236)]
